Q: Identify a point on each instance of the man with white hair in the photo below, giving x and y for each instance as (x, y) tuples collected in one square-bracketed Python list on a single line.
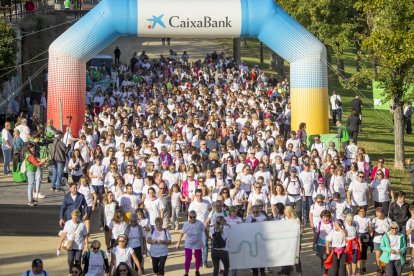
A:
[(24, 130)]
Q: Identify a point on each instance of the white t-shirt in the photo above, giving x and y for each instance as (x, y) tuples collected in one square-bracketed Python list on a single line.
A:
[(359, 191), (117, 228), (170, 178), (307, 182), (153, 206), (99, 172), (109, 211), (279, 199), (337, 184), (380, 190), (362, 224), (246, 181), (24, 132), (394, 244), (134, 236), (96, 264), (339, 208), (293, 188), (238, 196), (316, 211), (380, 226), (129, 203), (194, 234), (159, 250), (323, 229), (6, 136), (76, 233), (87, 192), (410, 224), (201, 208), (123, 255), (336, 238), (254, 197)]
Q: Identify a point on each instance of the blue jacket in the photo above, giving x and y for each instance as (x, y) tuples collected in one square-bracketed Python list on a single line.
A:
[(68, 205)]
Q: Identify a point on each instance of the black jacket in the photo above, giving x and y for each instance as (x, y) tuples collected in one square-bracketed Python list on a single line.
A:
[(400, 214), (353, 122)]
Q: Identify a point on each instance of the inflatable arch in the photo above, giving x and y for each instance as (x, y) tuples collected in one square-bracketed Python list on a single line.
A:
[(262, 19)]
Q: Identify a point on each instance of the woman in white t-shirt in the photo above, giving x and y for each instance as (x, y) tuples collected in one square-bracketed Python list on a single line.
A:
[(117, 226), (379, 225), (153, 205), (322, 230), (393, 248), (123, 253), (193, 229), (278, 196), (90, 196), (335, 245), (381, 191), (76, 232), (364, 229), (75, 166), (159, 238), (106, 213), (353, 249)]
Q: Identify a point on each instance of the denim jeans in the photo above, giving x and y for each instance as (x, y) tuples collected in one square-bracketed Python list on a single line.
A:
[(30, 184), (307, 203), (205, 248), (57, 174), (38, 178), (7, 159)]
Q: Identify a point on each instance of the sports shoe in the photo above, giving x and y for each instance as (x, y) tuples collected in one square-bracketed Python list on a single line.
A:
[(31, 204), (38, 195), (53, 189)]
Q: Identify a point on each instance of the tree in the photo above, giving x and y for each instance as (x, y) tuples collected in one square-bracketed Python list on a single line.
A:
[(7, 47), (332, 22), (389, 43)]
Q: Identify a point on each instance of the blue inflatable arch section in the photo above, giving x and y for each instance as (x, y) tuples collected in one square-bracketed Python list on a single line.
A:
[(262, 19)]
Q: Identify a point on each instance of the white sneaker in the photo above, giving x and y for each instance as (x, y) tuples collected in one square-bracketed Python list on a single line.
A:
[(38, 195)]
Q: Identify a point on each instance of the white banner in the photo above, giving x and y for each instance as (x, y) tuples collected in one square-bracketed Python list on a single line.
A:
[(194, 18), (264, 244)]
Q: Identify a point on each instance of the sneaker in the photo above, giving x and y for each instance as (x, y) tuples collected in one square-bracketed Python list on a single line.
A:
[(31, 204), (53, 189), (38, 195), (268, 270)]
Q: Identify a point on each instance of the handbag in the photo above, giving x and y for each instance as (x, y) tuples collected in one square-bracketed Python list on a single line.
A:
[(18, 175), (68, 244)]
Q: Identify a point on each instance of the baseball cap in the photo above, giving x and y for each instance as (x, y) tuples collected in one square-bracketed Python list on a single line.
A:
[(321, 180), (37, 262), (294, 169)]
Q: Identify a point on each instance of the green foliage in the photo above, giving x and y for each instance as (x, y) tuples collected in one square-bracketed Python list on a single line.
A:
[(7, 46), (333, 22), (390, 43)]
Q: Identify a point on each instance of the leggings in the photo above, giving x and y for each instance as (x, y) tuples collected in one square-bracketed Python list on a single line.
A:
[(74, 257), (158, 264), (188, 255)]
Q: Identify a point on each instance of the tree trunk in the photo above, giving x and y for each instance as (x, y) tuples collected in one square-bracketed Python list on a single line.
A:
[(280, 63), (398, 135), (236, 50), (261, 53), (340, 66), (244, 43), (273, 60)]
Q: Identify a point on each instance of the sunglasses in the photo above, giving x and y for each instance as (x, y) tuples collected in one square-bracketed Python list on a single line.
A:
[(255, 212), (257, 187), (394, 228), (192, 217), (225, 192), (121, 241), (95, 248), (123, 270), (360, 176)]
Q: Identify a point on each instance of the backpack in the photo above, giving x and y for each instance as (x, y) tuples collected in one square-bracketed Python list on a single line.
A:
[(165, 233), (85, 260), (344, 133), (338, 102), (300, 182), (217, 240)]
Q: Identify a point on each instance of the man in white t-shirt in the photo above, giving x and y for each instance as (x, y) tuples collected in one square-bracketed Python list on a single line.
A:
[(129, 202), (358, 193), (202, 208), (246, 178), (306, 177), (6, 147), (171, 176), (96, 174), (336, 106)]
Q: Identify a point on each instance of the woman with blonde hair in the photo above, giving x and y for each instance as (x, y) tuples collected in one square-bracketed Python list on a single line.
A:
[(290, 214)]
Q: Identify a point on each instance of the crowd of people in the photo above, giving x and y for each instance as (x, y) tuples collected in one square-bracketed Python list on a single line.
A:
[(210, 140)]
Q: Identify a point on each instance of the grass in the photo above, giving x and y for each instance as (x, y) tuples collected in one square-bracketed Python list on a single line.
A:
[(376, 138)]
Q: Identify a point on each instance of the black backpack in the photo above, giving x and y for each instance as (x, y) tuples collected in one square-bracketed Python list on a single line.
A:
[(217, 240)]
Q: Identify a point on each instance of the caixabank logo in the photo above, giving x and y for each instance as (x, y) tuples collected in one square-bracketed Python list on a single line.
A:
[(176, 21)]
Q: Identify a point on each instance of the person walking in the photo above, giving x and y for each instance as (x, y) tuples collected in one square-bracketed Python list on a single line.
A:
[(343, 134), (73, 201), (353, 124), (336, 107), (117, 53), (6, 147), (393, 247), (194, 230), (58, 159), (74, 238), (159, 238), (356, 104), (219, 233)]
